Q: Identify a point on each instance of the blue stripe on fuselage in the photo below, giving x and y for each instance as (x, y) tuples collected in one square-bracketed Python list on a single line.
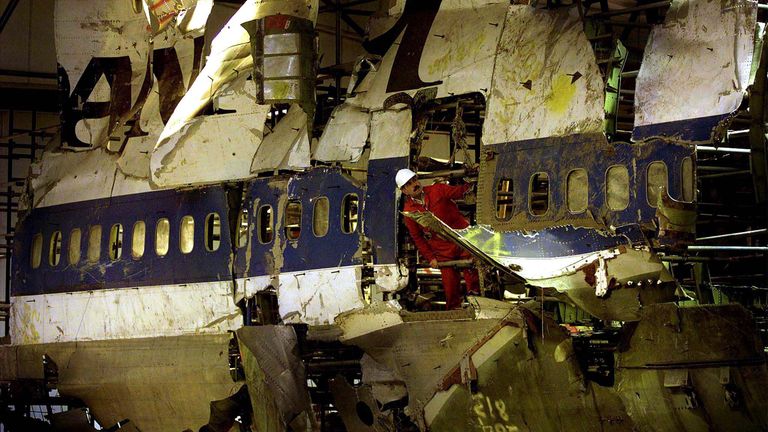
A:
[(175, 267)]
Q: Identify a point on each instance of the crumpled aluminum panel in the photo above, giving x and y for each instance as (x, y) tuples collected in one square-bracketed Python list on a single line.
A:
[(457, 56), (345, 135), (697, 63), (275, 377), (546, 81), (286, 147)]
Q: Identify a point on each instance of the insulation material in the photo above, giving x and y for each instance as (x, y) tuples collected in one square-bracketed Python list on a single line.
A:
[(546, 81), (168, 310), (390, 277), (286, 147), (65, 176), (213, 148), (390, 133), (345, 135), (317, 297), (697, 63)]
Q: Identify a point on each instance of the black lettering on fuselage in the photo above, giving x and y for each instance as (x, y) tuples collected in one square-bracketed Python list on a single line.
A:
[(417, 19), (117, 71)]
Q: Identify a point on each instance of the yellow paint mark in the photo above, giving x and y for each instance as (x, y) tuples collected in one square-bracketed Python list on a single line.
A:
[(28, 330), (562, 93), (456, 56)]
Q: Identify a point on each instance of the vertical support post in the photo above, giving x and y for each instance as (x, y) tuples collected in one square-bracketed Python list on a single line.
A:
[(757, 136), (338, 51), (33, 137), (8, 219)]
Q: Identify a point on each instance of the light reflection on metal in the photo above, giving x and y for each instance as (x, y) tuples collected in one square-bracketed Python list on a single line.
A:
[(738, 234), (717, 149), (727, 248), (284, 61)]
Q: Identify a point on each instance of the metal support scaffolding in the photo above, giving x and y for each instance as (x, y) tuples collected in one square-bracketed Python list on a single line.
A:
[(20, 142)]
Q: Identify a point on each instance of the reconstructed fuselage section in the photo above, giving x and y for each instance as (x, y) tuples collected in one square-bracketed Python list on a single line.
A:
[(194, 243)]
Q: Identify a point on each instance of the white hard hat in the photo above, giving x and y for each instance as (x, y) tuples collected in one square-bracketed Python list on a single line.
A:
[(403, 176)]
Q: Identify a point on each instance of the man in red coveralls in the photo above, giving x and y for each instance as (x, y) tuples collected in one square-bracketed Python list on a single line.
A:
[(438, 199)]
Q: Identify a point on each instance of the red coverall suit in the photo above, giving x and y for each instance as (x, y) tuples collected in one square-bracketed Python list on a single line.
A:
[(438, 199)]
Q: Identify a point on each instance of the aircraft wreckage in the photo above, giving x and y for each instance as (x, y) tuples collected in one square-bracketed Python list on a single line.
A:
[(211, 246)]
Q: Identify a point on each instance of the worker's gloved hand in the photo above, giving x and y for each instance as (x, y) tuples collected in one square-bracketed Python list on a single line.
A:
[(433, 263), (470, 197)]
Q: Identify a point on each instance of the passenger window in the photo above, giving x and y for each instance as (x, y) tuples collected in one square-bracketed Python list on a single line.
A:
[(687, 173), (187, 234), (212, 232), (139, 239), (54, 250), (656, 179), (265, 223), (74, 246), (293, 220), (617, 187), (94, 243), (242, 228), (504, 199), (116, 242), (538, 194), (36, 253), (162, 234), (320, 217), (577, 188), (349, 214)]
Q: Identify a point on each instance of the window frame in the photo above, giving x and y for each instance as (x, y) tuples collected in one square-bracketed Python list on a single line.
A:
[(90, 256), (285, 219), (71, 246), (181, 234), (509, 208), (568, 189), (530, 193), (627, 189), (167, 239), (51, 245), (120, 238), (343, 213), (259, 223), (207, 235), (143, 240), (327, 202), (648, 181)]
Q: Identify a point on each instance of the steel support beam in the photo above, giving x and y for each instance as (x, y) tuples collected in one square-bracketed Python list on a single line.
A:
[(7, 13)]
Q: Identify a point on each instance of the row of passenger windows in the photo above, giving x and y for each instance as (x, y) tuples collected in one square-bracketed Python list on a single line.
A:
[(292, 219), (577, 189), (212, 241), (212, 236)]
